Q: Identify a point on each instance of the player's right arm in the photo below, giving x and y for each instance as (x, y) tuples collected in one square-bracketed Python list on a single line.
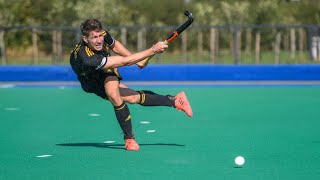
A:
[(123, 51), (118, 48)]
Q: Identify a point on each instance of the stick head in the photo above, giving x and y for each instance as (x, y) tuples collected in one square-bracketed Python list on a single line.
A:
[(189, 14), (184, 26)]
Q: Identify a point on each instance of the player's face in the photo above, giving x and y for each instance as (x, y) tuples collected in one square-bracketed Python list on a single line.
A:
[(95, 40)]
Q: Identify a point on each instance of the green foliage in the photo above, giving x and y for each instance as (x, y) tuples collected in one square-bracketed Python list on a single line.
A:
[(56, 13), (164, 12), (109, 12), (7, 14), (265, 12), (236, 12), (206, 14), (62, 13), (308, 12)]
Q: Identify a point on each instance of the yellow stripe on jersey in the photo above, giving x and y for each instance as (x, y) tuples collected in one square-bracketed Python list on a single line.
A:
[(116, 72), (89, 51), (104, 32)]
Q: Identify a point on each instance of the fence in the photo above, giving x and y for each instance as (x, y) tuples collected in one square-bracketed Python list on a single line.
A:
[(246, 44)]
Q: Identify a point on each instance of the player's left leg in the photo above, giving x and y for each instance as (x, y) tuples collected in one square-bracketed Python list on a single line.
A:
[(145, 97), (179, 101), (149, 98)]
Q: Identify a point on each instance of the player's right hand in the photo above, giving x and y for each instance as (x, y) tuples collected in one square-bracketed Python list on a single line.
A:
[(142, 64)]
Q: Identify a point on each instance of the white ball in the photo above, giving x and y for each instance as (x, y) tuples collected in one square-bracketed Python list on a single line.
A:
[(239, 160)]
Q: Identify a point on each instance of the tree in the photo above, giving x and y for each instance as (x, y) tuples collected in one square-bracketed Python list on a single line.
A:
[(206, 14), (235, 13), (110, 12), (308, 12), (61, 12), (6, 14)]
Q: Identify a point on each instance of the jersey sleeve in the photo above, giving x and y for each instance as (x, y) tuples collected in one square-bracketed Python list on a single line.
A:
[(108, 38), (92, 60)]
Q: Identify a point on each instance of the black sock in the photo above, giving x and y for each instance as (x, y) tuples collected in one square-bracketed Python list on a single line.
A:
[(149, 98), (124, 119)]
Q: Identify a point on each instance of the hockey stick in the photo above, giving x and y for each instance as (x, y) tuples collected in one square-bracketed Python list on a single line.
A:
[(175, 34)]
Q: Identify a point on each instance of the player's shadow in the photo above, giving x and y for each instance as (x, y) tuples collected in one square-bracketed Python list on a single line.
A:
[(115, 146)]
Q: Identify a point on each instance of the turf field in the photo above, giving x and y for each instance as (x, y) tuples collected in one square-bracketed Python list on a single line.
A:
[(64, 133)]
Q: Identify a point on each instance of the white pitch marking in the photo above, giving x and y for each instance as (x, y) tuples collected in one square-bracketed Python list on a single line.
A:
[(7, 86), (109, 142), (151, 131), (94, 115), (11, 109), (44, 156), (144, 122)]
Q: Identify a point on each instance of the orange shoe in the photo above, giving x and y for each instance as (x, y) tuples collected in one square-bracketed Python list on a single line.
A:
[(132, 145), (182, 104)]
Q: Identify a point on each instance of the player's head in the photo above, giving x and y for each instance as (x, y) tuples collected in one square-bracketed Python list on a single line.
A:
[(92, 33), (90, 25)]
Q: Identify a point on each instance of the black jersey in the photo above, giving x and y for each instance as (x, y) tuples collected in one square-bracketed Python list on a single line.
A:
[(88, 64)]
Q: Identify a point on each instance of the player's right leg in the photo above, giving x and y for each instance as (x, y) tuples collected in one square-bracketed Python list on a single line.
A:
[(122, 112)]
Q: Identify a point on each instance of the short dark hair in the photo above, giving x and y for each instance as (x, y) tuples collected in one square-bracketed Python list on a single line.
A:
[(90, 25)]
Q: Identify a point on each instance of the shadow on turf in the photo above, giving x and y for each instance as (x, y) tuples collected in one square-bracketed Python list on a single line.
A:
[(113, 146)]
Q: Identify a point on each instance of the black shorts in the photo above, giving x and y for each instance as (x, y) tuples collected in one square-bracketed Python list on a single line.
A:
[(95, 83)]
